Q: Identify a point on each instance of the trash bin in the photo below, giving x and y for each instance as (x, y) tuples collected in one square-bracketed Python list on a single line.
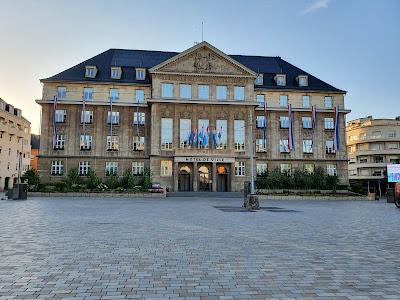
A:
[(390, 195)]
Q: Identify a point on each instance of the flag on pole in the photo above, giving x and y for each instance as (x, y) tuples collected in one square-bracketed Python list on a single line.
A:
[(195, 136), (201, 133), (55, 121), (265, 125), (313, 123), (205, 137), (220, 135), (290, 139), (336, 126), (214, 137)]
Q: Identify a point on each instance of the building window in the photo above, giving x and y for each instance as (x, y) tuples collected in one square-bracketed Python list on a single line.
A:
[(185, 91), (303, 81), (62, 92), (221, 92), (306, 101), (116, 73), (283, 146), (240, 168), (392, 134), (331, 169), (283, 122), (60, 140), (61, 116), (112, 143), (166, 168), (203, 91), (138, 143), (85, 142), (328, 102), (329, 147), (260, 121), (329, 123), (363, 160), (309, 168), (262, 169), (91, 71), (307, 146), (84, 167), (286, 169), (87, 117), (137, 168), (392, 146), (139, 118), (239, 135), (260, 100), (259, 79), (88, 93), (352, 160), (139, 96), (378, 159), (260, 145), (283, 101), (185, 133), (203, 134), (113, 117), (222, 134), (167, 90), (57, 167), (238, 93), (166, 133), (111, 168), (281, 80), (140, 74), (113, 94), (306, 121)]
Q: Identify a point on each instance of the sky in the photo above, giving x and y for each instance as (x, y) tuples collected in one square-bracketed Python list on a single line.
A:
[(353, 45)]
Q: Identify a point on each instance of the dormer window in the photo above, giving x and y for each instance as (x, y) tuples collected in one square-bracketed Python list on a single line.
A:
[(280, 79), (140, 74), (116, 72), (91, 71), (259, 79), (302, 80)]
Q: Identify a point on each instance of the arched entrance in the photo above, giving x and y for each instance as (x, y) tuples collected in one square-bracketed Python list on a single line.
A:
[(185, 180), (204, 179), (222, 179)]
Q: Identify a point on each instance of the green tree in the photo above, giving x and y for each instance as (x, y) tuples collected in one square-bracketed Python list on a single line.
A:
[(33, 179)]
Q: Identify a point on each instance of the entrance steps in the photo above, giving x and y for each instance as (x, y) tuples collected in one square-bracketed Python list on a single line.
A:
[(206, 194)]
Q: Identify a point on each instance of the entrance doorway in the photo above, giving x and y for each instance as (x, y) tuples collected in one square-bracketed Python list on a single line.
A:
[(184, 180), (6, 182), (222, 179), (204, 179)]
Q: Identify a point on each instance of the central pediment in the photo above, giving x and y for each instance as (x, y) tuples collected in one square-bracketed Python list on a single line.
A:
[(203, 59)]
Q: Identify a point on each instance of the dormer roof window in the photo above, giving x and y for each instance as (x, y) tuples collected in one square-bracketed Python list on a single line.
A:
[(116, 72), (91, 71), (259, 79), (302, 80), (280, 79), (140, 74)]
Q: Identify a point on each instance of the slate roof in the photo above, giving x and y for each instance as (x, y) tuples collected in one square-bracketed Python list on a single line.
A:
[(128, 60)]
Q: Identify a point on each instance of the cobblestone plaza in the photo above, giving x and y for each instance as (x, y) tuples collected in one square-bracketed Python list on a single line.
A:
[(198, 248)]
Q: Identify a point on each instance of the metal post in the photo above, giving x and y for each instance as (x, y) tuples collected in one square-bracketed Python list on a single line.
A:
[(251, 155)]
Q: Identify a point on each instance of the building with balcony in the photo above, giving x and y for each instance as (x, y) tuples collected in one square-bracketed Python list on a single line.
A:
[(15, 148), (372, 144), (186, 117)]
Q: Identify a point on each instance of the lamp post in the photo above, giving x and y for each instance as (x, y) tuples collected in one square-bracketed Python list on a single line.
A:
[(251, 201)]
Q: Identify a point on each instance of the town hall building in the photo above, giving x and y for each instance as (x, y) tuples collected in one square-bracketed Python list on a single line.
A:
[(186, 117)]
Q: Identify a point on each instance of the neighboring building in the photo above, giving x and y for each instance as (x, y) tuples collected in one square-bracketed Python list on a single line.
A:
[(160, 99), (35, 146), (371, 146), (15, 144)]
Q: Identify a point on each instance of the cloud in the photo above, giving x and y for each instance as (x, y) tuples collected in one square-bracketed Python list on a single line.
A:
[(316, 6)]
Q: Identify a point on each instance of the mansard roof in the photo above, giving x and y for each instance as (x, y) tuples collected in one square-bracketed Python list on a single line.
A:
[(129, 60)]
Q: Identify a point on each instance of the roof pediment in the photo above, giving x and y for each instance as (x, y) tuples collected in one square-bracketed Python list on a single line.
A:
[(203, 59)]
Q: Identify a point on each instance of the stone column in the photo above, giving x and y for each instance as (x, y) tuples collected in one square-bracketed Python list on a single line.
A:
[(176, 176), (214, 177), (195, 177)]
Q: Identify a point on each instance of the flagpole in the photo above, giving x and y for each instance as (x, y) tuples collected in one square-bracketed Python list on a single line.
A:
[(251, 155), (84, 122)]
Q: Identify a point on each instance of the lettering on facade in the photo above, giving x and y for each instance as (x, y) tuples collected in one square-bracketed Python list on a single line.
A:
[(205, 159)]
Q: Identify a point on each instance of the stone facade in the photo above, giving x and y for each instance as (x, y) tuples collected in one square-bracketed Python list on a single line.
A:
[(189, 167), (15, 144)]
